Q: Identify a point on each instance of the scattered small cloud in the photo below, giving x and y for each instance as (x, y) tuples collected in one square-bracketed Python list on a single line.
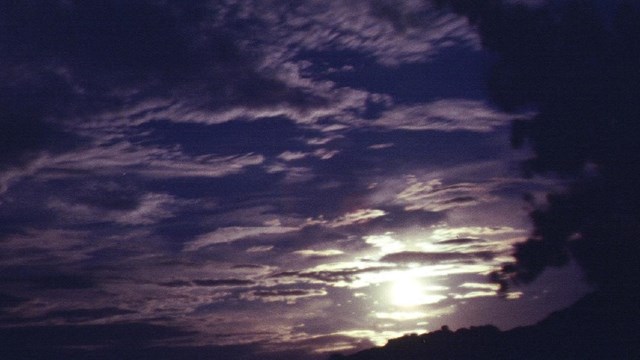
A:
[(380, 146)]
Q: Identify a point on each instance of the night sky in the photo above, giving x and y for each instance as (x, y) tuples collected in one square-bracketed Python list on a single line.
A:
[(247, 179)]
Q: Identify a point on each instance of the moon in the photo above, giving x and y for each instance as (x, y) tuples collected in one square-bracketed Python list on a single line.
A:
[(406, 292)]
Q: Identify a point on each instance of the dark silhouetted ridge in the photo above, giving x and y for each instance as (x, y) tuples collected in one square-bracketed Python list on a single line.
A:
[(599, 326)]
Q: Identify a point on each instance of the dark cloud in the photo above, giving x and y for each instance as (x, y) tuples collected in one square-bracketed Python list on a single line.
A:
[(247, 266), (284, 292), (436, 257), (460, 200), (71, 316), (176, 283), (332, 276), (461, 241), (51, 282), (222, 282)]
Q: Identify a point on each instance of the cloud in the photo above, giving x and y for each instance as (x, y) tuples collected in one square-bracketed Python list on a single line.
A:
[(260, 248), (403, 31), (148, 209), (319, 253), (445, 115), (208, 283), (52, 281), (292, 155), (230, 234), (292, 174), (222, 282), (435, 257), (449, 233), (340, 275), (124, 158), (433, 195), (401, 316), (74, 315), (380, 146), (290, 296), (173, 44), (70, 76), (153, 162), (176, 283), (469, 285), (461, 241), (386, 242), (359, 216), (475, 294), (65, 59)]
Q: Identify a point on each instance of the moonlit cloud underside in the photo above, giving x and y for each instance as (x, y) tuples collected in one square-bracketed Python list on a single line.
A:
[(247, 178)]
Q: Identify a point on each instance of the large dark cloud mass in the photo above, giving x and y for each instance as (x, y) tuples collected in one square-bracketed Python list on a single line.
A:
[(576, 63)]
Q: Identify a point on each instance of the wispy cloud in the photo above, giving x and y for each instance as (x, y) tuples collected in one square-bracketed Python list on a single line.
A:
[(230, 234), (433, 195), (393, 33), (149, 209), (356, 217), (445, 115), (155, 162)]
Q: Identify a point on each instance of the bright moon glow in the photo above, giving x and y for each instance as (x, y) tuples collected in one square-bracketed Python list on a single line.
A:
[(409, 292), (405, 292)]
